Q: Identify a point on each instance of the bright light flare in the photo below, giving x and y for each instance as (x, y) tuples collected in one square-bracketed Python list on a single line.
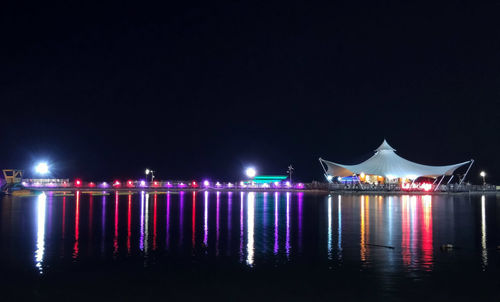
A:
[(250, 172), (42, 168)]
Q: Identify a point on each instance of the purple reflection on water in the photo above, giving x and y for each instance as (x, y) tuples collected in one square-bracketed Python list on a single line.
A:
[(300, 196), (217, 226), (205, 228), (141, 238), (241, 226), (229, 208), (167, 235), (181, 218)]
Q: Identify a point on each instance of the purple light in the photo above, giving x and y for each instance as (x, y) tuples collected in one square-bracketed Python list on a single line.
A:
[(288, 184), (181, 185), (300, 185), (265, 185), (277, 184), (142, 183), (206, 183), (168, 184), (229, 185), (218, 184), (104, 185)]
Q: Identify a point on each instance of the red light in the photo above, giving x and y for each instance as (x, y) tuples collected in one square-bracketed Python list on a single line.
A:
[(78, 183), (91, 184), (194, 184), (155, 184), (116, 183), (130, 183)]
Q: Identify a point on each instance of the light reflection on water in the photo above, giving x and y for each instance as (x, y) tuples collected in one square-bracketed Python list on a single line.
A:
[(271, 227)]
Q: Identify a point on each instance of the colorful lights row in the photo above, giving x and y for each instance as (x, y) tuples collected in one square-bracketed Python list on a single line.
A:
[(78, 183)]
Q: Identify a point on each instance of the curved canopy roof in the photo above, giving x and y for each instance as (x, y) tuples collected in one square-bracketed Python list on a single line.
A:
[(385, 162)]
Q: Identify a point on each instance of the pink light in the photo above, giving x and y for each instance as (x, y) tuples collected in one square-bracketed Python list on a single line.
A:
[(155, 184), (130, 183), (91, 184), (116, 183)]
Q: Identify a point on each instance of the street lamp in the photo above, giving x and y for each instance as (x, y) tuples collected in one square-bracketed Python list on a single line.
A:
[(42, 168), (250, 172), (290, 171), (483, 175), (150, 172)]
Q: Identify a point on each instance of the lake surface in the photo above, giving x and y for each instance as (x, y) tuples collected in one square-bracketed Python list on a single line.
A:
[(247, 246)]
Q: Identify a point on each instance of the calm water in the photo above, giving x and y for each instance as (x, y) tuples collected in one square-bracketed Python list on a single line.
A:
[(233, 245)]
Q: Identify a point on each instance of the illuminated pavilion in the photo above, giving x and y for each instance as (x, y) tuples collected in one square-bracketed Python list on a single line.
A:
[(385, 166)]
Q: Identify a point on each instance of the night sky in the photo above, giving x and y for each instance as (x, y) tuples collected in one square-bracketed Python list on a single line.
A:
[(195, 90)]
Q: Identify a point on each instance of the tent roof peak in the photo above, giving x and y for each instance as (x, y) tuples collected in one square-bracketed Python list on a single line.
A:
[(385, 146)]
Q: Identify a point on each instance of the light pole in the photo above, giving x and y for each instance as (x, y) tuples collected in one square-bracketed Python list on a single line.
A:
[(483, 175), (290, 171), (152, 174)]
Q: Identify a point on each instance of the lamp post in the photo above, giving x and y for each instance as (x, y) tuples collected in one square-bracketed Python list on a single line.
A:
[(483, 175), (150, 172), (290, 171)]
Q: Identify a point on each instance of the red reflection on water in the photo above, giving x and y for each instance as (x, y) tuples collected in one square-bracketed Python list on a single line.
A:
[(77, 225), (193, 227), (129, 213), (91, 204), (154, 223), (115, 238), (63, 216), (427, 246)]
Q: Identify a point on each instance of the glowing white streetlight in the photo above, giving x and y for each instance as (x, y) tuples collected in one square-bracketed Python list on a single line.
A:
[(250, 172), (483, 175), (148, 171), (42, 168)]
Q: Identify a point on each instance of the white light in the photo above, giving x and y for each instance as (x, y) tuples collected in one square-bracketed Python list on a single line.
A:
[(42, 168), (147, 171), (250, 172), (329, 177), (483, 174)]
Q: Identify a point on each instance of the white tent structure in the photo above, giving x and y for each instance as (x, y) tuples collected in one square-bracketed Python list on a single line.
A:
[(386, 163)]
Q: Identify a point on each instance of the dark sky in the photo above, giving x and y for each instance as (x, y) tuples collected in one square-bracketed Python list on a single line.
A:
[(198, 90)]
